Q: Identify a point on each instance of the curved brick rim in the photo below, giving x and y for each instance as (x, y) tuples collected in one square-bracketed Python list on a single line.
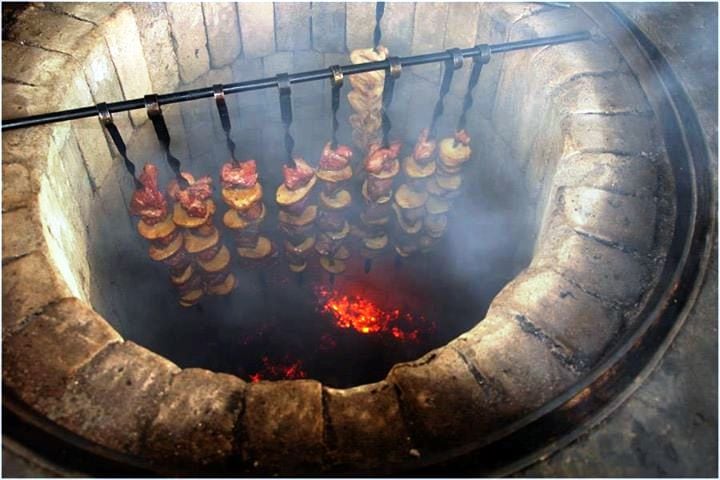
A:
[(605, 193)]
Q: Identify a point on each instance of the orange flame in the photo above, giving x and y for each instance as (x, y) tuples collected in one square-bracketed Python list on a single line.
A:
[(279, 370), (365, 317)]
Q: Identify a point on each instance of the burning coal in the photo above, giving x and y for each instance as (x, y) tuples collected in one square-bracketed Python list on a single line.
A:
[(366, 317)]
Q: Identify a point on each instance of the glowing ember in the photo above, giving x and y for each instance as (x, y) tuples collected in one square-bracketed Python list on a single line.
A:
[(287, 369), (364, 316)]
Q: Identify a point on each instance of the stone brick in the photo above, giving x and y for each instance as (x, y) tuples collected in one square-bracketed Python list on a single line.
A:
[(515, 361), (359, 24), (621, 219), (156, 38), (257, 28), (22, 231), (188, 33), (397, 28), (20, 100), (444, 403), (32, 65), (39, 360), (92, 12), (19, 186), (598, 269), (533, 79), (367, 426), (564, 312), (623, 134), (279, 62), (429, 36), (328, 27), (54, 31), (223, 33), (611, 94), (197, 418), (283, 422), (626, 175), (249, 69), (123, 41), (112, 399), (461, 32), (292, 26), (29, 284)]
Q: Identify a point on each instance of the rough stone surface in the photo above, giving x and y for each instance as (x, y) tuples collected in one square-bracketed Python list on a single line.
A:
[(359, 24), (397, 28), (188, 33), (520, 364), (257, 28), (623, 134), (366, 426), (292, 26), (29, 284), (22, 231), (39, 359), (328, 27), (54, 31), (625, 175), (123, 41), (564, 312), (607, 94), (113, 398), (461, 32), (223, 33), (429, 36), (620, 219), (18, 187), (445, 404), (197, 418), (283, 422), (92, 12), (32, 65), (598, 269), (156, 38)]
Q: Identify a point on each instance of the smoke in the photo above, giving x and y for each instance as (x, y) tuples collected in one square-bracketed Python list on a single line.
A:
[(489, 238)]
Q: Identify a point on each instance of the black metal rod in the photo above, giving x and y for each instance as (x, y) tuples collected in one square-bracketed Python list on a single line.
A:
[(301, 77)]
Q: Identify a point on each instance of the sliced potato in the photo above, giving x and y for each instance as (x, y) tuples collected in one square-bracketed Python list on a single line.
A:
[(449, 182), (161, 253), (437, 205), (242, 198), (376, 243), (415, 170), (332, 266), (307, 216), (452, 154), (159, 230), (342, 253), (196, 244), (406, 197), (225, 287), (334, 176), (183, 277), (297, 267), (340, 200), (262, 249), (285, 196), (218, 262), (181, 217)]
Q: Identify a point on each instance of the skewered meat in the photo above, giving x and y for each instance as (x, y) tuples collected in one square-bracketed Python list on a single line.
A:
[(298, 176), (193, 197), (297, 213), (149, 202), (242, 192), (242, 175), (379, 160), (365, 98)]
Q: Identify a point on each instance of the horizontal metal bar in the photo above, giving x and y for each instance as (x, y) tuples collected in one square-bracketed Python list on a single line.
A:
[(301, 77)]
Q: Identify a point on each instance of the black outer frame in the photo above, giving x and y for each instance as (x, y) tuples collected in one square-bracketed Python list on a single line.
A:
[(588, 402)]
